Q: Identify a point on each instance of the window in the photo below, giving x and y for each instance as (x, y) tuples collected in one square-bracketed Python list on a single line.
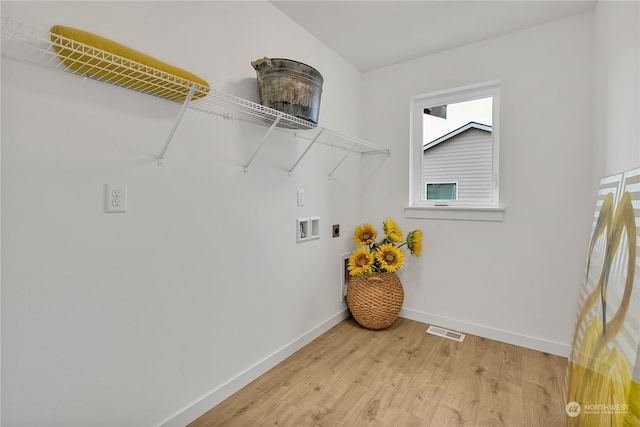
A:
[(441, 191), (455, 152)]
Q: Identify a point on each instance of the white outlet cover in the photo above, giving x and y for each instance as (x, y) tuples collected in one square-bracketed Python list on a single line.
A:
[(115, 198)]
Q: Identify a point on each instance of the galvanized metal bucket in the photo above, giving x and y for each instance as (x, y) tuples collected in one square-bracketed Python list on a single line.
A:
[(289, 86)]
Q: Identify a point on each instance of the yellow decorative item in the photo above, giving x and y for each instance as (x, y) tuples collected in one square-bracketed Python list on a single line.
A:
[(390, 257), (386, 254), (364, 234), (600, 382), (632, 418), (374, 292), (414, 242), (392, 231), (360, 261), (106, 60)]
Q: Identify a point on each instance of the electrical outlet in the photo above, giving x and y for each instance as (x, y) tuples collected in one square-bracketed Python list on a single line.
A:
[(300, 197), (115, 198)]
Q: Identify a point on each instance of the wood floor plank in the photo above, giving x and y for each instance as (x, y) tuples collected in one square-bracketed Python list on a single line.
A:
[(400, 377)]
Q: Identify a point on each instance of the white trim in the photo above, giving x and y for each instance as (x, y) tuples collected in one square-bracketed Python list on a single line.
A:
[(534, 343), (416, 143), (464, 213), (222, 392)]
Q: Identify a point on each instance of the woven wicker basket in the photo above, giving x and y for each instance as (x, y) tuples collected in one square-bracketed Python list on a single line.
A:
[(375, 299)]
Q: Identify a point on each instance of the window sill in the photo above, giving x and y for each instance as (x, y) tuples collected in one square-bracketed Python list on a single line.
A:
[(463, 213)]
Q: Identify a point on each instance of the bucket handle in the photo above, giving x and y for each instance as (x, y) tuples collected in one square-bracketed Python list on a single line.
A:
[(259, 62)]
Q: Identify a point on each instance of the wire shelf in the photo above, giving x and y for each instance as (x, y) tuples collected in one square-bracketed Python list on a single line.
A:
[(233, 107), (28, 44)]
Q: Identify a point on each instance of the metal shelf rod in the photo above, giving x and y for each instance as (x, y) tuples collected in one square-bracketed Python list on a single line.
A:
[(313, 141), (343, 159), (273, 126), (183, 109)]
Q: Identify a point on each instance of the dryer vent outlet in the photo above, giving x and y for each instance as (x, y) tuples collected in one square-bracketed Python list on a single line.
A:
[(344, 275)]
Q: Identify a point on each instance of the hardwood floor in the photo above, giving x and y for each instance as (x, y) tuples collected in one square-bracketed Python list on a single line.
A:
[(398, 377)]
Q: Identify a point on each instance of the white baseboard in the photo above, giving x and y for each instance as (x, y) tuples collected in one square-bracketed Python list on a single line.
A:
[(534, 343), (222, 392)]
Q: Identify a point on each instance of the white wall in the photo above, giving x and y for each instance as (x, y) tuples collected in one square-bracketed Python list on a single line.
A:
[(617, 102), (514, 280), (130, 319)]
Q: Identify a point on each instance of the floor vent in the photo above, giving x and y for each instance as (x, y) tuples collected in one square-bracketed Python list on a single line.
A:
[(453, 335)]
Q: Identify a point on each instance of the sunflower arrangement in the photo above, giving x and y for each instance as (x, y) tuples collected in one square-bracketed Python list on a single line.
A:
[(386, 255)]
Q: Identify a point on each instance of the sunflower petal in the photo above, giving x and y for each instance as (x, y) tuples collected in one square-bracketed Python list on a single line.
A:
[(392, 231), (390, 257), (414, 242), (360, 261), (364, 234)]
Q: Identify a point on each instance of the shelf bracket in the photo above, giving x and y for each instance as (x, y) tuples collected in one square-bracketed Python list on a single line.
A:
[(264, 139), (175, 126), (313, 141), (343, 159)]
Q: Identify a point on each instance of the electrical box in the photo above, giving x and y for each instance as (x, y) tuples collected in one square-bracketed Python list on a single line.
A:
[(303, 229), (315, 227)]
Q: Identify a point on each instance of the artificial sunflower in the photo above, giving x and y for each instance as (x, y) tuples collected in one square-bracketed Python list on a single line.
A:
[(360, 261), (391, 258), (392, 231), (386, 255), (364, 234), (414, 242)]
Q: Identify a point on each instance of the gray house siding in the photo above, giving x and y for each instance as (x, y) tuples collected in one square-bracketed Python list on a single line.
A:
[(464, 158)]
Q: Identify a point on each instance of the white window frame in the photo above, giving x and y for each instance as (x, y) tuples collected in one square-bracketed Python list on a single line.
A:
[(490, 210)]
